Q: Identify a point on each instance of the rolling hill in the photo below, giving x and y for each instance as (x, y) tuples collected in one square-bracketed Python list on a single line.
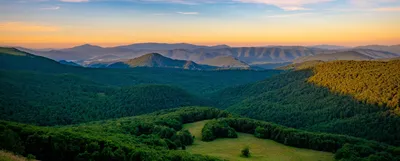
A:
[(59, 99), (159, 61)]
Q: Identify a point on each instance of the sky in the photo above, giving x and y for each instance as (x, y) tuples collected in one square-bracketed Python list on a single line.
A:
[(67, 23)]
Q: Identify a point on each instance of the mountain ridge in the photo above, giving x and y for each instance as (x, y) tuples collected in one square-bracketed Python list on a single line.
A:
[(160, 61)]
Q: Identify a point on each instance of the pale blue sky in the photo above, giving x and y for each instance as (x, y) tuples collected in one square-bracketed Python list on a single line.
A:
[(216, 20)]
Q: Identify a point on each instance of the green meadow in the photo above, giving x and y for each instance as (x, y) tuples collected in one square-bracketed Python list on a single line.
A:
[(261, 149)]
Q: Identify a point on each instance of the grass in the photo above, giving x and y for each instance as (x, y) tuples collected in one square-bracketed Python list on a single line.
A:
[(7, 156), (260, 149)]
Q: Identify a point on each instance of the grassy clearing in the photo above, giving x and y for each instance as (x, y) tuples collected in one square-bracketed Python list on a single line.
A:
[(7, 156), (261, 149)]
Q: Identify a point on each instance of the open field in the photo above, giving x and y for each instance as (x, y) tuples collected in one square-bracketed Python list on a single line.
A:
[(261, 149)]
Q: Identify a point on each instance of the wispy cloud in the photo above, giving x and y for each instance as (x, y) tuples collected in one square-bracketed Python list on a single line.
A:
[(294, 8), (25, 27), (160, 14), (51, 8), (370, 3), (188, 13), (74, 1), (388, 9), (287, 5), (288, 15)]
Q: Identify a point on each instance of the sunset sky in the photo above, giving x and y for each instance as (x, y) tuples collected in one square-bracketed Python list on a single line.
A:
[(65, 23)]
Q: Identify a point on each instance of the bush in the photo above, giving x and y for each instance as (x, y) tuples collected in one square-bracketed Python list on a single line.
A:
[(246, 152)]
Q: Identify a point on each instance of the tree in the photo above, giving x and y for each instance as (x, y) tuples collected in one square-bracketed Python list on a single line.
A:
[(246, 152)]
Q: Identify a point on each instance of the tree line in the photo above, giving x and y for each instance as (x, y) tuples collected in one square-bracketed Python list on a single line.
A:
[(156, 136)]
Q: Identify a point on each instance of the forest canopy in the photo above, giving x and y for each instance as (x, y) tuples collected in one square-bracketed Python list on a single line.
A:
[(372, 82)]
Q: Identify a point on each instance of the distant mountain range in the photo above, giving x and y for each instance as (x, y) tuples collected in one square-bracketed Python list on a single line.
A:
[(355, 54), (219, 56), (165, 46)]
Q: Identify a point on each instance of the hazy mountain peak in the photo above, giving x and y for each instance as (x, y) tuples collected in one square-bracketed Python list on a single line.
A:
[(87, 46), (153, 55), (158, 60)]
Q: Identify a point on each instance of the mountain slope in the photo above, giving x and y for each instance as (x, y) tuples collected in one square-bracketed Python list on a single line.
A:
[(157, 60), (226, 62), (48, 99), (288, 99), (68, 63)]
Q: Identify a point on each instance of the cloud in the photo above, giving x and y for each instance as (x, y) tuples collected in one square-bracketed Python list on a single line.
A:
[(74, 1), (288, 15), (388, 9), (369, 3), (294, 8), (160, 14), (287, 5), (188, 13), (25, 27), (51, 8)]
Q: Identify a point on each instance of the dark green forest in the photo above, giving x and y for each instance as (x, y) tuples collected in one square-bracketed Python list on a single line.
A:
[(48, 99), (156, 136)]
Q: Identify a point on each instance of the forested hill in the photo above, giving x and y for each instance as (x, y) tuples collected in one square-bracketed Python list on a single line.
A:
[(49, 99), (371, 82), (196, 82), (290, 100)]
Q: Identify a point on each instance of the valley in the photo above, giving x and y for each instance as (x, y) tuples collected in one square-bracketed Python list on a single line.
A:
[(151, 109)]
